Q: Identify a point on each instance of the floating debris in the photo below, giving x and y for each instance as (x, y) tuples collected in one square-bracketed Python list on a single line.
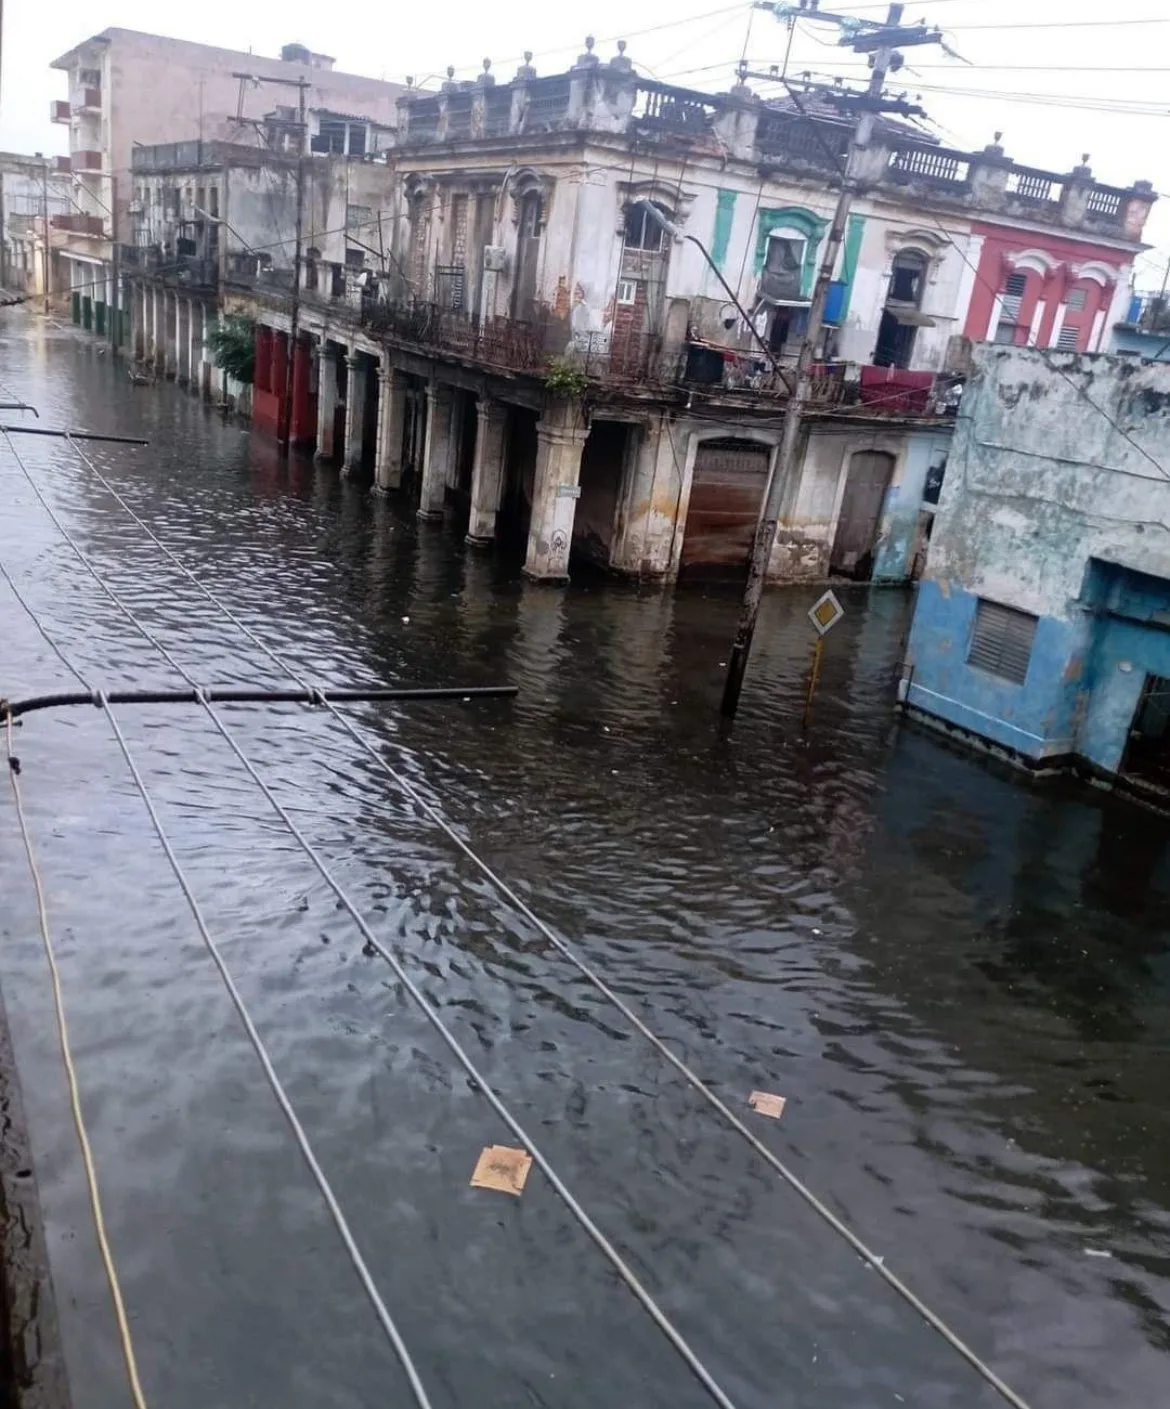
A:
[(765, 1103), (501, 1168)]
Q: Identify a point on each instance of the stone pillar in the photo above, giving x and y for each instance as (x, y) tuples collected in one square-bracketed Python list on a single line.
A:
[(182, 339), (326, 400), (171, 332), (156, 351), (560, 438), (487, 470), (302, 424), (391, 426), (355, 414), (137, 331), (437, 453)]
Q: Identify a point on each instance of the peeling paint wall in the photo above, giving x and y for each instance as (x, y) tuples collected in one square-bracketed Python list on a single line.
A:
[(1044, 494)]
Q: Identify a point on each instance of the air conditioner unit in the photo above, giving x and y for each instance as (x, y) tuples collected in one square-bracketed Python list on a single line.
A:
[(495, 258)]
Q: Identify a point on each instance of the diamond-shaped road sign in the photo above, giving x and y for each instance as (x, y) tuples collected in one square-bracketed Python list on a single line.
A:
[(825, 613)]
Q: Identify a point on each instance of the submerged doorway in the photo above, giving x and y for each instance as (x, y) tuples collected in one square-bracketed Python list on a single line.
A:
[(870, 472), (727, 492), (1147, 751)]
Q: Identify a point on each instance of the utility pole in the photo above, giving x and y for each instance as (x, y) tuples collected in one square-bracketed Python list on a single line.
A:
[(45, 236), (863, 37), (284, 430)]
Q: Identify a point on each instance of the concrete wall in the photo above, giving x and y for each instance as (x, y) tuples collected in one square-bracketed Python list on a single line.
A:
[(1045, 493), (157, 89)]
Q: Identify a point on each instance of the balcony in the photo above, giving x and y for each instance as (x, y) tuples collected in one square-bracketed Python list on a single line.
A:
[(59, 112), (188, 271), (63, 165), (87, 100), (79, 224), (1148, 313), (87, 161)]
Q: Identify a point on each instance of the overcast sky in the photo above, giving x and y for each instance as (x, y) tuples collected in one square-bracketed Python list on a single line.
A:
[(1058, 77)]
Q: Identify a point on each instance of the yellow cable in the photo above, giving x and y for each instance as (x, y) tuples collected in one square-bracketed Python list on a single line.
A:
[(95, 1198)]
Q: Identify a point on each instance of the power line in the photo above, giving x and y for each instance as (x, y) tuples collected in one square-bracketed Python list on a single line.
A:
[(568, 953), (624, 1271)]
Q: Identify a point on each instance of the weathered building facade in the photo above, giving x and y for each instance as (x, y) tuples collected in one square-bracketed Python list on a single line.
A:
[(530, 345), (1041, 621), (33, 191), (127, 88)]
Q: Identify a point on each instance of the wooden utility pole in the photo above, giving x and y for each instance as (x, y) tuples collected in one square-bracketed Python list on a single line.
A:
[(879, 42), (284, 428), (45, 237)]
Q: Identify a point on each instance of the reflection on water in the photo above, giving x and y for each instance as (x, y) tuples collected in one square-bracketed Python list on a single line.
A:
[(958, 979)]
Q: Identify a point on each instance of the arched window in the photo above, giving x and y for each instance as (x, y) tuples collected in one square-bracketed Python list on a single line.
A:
[(643, 232), (907, 278)]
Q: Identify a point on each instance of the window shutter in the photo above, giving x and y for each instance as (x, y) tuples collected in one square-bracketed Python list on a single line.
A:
[(1002, 640), (1067, 341)]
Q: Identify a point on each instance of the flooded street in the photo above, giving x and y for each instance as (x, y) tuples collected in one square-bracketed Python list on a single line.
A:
[(959, 980)]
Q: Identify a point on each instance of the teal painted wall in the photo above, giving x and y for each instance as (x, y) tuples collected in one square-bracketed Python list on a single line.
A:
[(724, 217)]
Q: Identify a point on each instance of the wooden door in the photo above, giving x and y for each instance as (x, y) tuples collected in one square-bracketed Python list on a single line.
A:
[(527, 257), (727, 493), (870, 472)]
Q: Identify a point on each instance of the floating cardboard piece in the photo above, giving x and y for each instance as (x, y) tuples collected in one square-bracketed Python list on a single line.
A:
[(765, 1103), (502, 1169)]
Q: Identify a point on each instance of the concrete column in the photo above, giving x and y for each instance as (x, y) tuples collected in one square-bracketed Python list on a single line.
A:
[(326, 400), (137, 331), (156, 351), (171, 333), (487, 470), (437, 453), (182, 338), (560, 438), (355, 413), (391, 426)]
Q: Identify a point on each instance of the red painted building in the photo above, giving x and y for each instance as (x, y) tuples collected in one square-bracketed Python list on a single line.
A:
[(1035, 288), (270, 381)]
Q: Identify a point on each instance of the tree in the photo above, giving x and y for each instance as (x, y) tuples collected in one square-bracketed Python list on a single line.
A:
[(233, 346)]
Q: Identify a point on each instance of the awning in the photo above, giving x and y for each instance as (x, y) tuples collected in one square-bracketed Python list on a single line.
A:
[(911, 318)]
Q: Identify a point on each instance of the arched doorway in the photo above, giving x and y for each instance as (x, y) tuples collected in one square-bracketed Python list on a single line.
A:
[(727, 492), (870, 472)]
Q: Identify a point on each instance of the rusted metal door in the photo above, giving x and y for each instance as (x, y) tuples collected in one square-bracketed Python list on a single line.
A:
[(727, 493), (857, 524)]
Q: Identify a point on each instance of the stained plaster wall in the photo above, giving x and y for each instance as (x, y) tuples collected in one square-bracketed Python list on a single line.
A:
[(1040, 485)]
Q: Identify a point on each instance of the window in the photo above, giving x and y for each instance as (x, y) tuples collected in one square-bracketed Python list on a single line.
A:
[(643, 232), (213, 198), (354, 258), (1075, 303), (357, 140), (358, 217), (1009, 312), (90, 77), (1002, 640), (785, 254), (532, 215), (627, 291), (906, 278), (1067, 340), (332, 138)]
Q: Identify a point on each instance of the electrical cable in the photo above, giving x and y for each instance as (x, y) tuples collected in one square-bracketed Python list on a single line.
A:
[(568, 953), (624, 1271), (125, 1338), (101, 698)]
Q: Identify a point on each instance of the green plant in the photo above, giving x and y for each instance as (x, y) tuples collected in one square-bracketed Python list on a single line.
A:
[(563, 378), (233, 347)]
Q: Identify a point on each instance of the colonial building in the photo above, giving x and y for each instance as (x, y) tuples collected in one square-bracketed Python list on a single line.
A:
[(1040, 623), (127, 88), (532, 352), (33, 190)]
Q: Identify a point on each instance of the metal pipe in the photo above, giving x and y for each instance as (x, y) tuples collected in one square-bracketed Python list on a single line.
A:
[(343, 695)]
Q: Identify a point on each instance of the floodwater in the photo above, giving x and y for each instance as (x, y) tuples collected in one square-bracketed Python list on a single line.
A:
[(959, 980)]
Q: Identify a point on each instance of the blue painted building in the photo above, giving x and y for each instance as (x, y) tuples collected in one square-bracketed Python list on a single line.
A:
[(1042, 625), (1145, 329)]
